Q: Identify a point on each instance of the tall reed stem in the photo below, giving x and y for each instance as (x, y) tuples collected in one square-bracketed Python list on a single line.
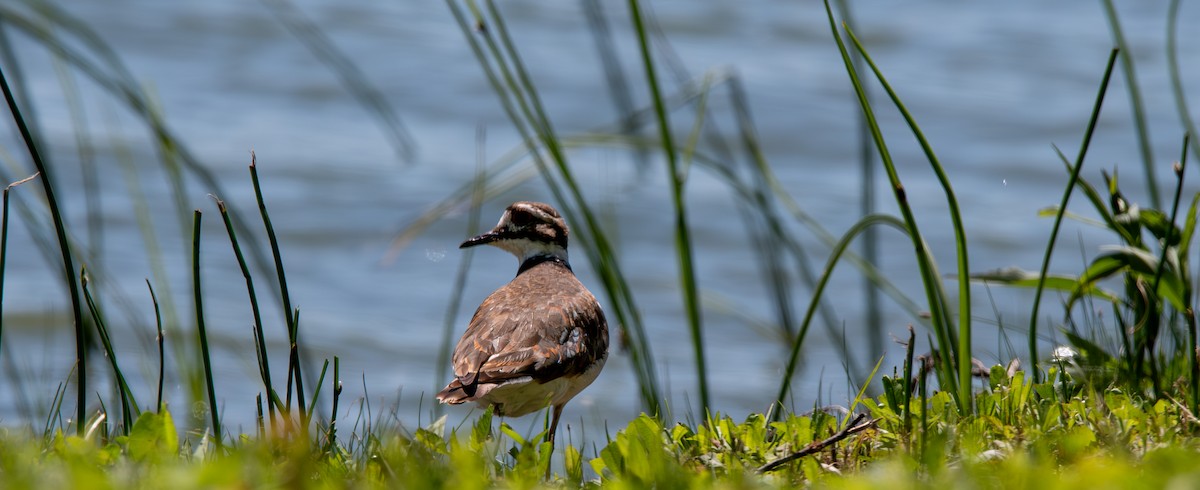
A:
[(64, 247), (204, 352), (683, 240), (1062, 209)]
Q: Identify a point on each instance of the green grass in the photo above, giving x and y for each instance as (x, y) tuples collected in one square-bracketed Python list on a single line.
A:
[(1115, 407)]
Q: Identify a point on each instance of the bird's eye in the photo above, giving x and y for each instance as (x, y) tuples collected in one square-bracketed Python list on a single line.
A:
[(521, 219)]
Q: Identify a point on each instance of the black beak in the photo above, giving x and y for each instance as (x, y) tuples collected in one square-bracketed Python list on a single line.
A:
[(483, 239)]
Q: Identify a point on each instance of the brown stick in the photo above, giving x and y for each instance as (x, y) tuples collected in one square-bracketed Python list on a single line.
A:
[(817, 446)]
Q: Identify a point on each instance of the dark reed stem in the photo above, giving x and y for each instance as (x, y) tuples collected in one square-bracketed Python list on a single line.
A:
[(1062, 209), (129, 405), (161, 353), (64, 247), (264, 367), (294, 369), (4, 245), (204, 352), (331, 441)]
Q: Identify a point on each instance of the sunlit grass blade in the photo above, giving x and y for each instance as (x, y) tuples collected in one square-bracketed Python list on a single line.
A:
[(677, 177), (834, 258), (205, 357), (1062, 207), (960, 237), (928, 269)]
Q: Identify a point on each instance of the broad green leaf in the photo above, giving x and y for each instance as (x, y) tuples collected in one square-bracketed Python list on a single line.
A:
[(153, 437)]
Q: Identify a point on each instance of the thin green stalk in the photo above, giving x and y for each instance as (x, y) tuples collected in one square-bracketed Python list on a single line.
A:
[(1062, 209), (1135, 102), (909, 349), (161, 354), (929, 277), (264, 366), (683, 240), (834, 258), (331, 438), (204, 353), (312, 405), (4, 245), (295, 371), (64, 247), (129, 405), (960, 236)]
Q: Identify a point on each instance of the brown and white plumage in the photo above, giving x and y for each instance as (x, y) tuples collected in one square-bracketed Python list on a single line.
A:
[(538, 340)]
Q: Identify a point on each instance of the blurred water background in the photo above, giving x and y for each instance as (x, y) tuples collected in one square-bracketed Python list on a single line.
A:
[(994, 85)]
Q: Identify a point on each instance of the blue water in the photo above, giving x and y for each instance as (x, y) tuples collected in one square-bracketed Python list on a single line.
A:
[(994, 86)]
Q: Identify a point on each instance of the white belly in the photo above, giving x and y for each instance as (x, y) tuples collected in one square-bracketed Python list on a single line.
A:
[(524, 395)]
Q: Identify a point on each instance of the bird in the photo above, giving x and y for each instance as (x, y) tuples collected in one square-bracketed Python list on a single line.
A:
[(538, 340)]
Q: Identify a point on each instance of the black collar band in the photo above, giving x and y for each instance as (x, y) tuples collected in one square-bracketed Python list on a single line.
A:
[(538, 259)]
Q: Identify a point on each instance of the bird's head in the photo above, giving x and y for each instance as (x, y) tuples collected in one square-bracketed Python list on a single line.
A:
[(527, 229)]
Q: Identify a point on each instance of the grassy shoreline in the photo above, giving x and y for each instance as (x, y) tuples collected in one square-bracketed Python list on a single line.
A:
[(1115, 407)]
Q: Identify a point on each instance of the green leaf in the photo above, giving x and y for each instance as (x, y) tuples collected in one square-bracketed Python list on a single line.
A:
[(153, 437)]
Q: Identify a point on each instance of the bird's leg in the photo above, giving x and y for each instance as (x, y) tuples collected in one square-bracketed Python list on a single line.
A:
[(554, 424), (553, 428)]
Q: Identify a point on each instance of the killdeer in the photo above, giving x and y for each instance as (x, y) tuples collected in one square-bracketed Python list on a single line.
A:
[(538, 340)]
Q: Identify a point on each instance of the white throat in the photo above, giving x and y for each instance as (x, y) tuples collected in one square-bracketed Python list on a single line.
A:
[(526, 249)]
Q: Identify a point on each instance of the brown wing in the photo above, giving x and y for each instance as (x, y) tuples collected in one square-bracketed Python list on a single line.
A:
[(544, 324)]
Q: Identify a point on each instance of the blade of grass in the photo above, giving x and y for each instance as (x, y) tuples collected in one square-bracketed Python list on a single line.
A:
[(4, 247), (960, 237), (204, 352), (870, 242), (64, 246), (1062, 207), (158, 407), (331, 437), (929, 277), (683, 240), (834, 258)]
